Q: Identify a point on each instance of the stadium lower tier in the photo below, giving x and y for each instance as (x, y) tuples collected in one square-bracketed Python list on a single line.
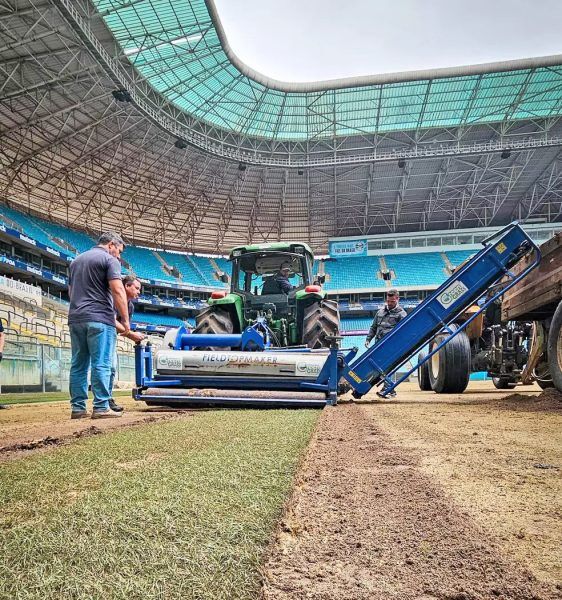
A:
[(170, 269)]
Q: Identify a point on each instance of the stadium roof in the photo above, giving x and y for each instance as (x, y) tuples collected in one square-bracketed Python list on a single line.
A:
[(136, 114), (180, 48)]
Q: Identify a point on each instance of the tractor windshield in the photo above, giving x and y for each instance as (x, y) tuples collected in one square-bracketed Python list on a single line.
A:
[(263, 274)]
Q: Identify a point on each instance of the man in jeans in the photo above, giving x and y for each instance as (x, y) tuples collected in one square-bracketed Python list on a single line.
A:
[(132, 289), (96, 292)]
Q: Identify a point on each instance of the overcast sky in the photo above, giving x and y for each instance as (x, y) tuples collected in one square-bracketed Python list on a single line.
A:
[(309, 40)]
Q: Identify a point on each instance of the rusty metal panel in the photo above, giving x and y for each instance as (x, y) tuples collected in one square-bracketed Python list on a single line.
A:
[(540, 289)]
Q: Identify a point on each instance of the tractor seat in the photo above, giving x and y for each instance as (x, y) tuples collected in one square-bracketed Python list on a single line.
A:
[(270, 286)]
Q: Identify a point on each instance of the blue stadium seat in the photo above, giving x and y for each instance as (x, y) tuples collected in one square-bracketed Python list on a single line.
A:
[(29, 227), (355, 323), (458, 256), (156, 319), (181, 262), (145, 264), (419, 269), (353, 273)]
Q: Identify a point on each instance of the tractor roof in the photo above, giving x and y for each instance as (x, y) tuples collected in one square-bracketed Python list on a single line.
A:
[(273, 247)]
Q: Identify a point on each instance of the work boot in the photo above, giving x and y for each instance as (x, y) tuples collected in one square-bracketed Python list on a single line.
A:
[(79, 414), (114, 406), (105, 414)]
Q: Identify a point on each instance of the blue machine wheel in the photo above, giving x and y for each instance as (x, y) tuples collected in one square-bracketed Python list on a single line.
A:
[(423, 374), (449, 369)]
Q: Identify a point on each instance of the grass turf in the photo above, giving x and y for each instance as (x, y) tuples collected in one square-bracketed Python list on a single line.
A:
[(26, 398), (180, 509)]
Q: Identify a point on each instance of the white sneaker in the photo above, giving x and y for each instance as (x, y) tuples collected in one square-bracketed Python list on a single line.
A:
[(106, 414)]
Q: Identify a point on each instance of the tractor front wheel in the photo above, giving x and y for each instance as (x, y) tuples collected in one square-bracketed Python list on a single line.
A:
[(321, 319)]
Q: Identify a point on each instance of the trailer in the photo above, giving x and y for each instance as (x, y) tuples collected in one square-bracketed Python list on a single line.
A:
[(249, 371), (538, 298)]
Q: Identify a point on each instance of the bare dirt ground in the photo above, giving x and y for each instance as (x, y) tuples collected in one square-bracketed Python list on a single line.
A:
[(427, 496), (26, 428)]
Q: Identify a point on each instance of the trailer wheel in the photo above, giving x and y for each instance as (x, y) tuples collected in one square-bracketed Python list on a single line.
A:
[(504, 383), (423, 374), (449, 369), (320, 320), (554, 348), (213, 320)]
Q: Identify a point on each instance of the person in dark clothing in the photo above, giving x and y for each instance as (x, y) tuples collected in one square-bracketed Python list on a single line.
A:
[(132, 289), (96, 291), (2, 342), (282, 278), (386, 319)]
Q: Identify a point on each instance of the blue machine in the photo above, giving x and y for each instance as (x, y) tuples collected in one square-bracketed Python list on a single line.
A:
[(313, 378)]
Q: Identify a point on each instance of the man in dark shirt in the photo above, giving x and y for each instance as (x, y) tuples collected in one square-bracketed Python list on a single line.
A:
[(282, 279), (132, 289), (96, 291), (386, 319)]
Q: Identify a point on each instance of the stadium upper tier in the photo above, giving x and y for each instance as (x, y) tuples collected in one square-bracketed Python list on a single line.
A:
[(415, 269), (181, 50)]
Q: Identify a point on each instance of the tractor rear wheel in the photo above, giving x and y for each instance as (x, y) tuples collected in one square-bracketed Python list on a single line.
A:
[(554, 348), (321, 320), (449, 369), (423, 374), (213, 320)]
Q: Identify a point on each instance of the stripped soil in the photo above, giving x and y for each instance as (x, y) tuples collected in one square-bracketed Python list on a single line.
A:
[(448, 497)]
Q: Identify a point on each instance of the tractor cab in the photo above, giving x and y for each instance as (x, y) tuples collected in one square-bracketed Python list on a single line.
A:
[(269, 276), (271, 289)]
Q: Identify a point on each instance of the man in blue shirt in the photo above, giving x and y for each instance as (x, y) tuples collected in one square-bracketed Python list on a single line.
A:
[(96, 293), (2, 341), (132, 289)]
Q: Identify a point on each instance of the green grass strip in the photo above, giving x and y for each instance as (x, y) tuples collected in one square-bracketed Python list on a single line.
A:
[(28, 398), (178, 509)]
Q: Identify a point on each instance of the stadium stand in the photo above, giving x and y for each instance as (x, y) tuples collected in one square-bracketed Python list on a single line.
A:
[(417, 269), (354, 341), (157, 319), (223, 264), (458, 256), (353, 273), (184, 266), (356, 324), (204, 266), (145, 264), (79, 241), (28, 226)]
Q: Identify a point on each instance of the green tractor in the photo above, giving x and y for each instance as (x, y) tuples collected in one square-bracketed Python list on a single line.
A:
[(299, 316)]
